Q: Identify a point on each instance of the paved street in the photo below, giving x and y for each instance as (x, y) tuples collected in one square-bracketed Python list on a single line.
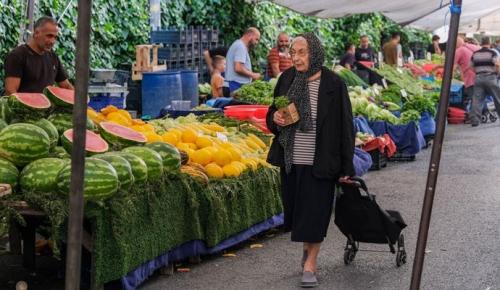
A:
[(463, 248)]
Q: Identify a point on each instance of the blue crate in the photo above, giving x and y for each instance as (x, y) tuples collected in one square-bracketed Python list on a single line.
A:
[(117, 102), (456, 94), (99, 102)]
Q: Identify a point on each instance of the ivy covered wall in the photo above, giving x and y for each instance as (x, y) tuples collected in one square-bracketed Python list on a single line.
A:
[(119, 25)]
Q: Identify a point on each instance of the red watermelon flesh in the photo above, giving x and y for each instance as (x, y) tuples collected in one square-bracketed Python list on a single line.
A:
[(120, 136), (93, 142), (33, 100), (60, 96)]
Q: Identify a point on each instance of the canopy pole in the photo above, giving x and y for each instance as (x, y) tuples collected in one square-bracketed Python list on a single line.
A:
[(432, 175), (75, 223)]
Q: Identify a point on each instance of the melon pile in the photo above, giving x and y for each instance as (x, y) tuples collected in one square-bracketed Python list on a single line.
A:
[(36, 140)]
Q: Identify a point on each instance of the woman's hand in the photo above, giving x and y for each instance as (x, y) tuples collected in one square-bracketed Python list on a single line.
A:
[(346, 180), (278, 119)]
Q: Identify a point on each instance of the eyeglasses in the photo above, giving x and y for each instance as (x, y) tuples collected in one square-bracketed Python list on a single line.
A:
[(300, 53)]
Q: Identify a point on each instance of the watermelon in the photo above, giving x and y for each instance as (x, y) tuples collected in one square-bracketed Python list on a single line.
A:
[(151, 158), (8, 173), (100, 181), (64, 121), (49, 128), (23, 143), (139, 167), (60, 97), (29, 104), (94, 144), (122, 167), (5, 111), (170, 155), (3, 124), (120, 136), (41, 175), (59, 152)]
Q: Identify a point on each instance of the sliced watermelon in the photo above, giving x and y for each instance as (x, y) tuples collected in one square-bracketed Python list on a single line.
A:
[(24, 103), (94, 144), (120, 136), (60, 97)]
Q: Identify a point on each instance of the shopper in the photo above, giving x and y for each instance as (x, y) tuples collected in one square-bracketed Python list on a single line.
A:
[(217, 81), (463, 55), (486, 64), (279, 59), (208, 56), (434, 47), (313, 153), (238, 63), (391, 51), (349, 59), (497, 45)]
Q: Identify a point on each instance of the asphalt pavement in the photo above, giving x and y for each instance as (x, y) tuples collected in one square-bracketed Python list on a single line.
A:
[(463, 250)]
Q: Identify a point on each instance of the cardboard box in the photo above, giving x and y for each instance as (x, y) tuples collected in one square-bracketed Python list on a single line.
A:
[(290, 114)]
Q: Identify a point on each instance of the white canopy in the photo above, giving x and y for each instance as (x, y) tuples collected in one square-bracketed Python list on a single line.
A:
[(424, 14)]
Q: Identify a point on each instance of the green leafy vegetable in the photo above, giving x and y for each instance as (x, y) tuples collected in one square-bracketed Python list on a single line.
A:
[(281, 102)]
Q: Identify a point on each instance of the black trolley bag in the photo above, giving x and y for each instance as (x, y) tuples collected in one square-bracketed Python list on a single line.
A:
[(360, 219)]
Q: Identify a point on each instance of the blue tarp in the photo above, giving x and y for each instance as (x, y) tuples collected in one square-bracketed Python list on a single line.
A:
[(408, 138), (362, 162), (362, 126), (194, 248), (427, 124)]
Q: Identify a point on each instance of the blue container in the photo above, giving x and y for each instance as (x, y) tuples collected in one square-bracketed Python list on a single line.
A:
[(159, 89), (190, 86)]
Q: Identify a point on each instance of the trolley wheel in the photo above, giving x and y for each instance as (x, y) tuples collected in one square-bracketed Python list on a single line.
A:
[(401, 252), (493, 118), (349, 255), (484, 119)]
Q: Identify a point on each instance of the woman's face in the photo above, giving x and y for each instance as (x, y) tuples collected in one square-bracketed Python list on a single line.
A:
[(300, 54)]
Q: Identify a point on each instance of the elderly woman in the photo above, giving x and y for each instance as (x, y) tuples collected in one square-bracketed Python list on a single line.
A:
[(313, 153)]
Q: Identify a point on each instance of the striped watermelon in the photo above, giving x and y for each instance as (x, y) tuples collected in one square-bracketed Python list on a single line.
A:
[(49, 128), (100, 181), (60, 97), (122, 167), (3, 124), (139, 167), (5, 111), (94, 144), (152, 158), (64, 121), (23, 143), (41, 175), (59, 152), (8, 173), (170, 155), (27, 104), (120, 136)]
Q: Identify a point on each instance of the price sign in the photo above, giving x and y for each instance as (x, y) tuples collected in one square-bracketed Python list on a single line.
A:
[(384, 83), (221, 136), (404, 94)]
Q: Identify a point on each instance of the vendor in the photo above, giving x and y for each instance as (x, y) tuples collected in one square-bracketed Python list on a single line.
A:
[(348, 59), (32, 67), (391, 51), (210, 54), (364, 52), (434, 47), (279, 59), (238, 63)]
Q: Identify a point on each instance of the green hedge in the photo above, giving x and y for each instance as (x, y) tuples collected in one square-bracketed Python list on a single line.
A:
[(119, 25)]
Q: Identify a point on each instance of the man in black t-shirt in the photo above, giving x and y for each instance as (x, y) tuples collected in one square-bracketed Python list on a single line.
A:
[(364, 52), (209, 55), (348, 59), (29, 68)]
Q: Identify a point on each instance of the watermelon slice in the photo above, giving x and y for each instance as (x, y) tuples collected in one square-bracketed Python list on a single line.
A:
[(94, 144), (24, 103), (60, 97), (120, 136)]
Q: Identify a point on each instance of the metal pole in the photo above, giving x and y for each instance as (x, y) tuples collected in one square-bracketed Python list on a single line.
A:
[(432, 175), (31, 9), (75, 223)]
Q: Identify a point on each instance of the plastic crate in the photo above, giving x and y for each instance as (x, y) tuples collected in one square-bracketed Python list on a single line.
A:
[(175, 113), (174, 36), (99, 102), (402, 157), (379, 160)]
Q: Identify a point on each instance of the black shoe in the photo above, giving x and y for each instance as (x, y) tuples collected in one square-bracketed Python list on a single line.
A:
[(474, 124)]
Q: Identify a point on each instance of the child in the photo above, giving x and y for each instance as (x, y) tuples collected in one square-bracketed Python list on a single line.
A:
[(217, 81)]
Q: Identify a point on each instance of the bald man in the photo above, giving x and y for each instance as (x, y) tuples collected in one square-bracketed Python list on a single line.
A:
[(238, 63), (279, 59)]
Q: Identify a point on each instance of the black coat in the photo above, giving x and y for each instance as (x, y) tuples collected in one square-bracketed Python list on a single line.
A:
[(334, 127)]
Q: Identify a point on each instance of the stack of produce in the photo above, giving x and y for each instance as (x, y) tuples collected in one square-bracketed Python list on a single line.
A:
[(350, 78), (401, 77), (257, 92)]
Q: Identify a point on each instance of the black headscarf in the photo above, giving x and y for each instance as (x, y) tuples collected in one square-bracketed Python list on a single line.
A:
[(299, 95)]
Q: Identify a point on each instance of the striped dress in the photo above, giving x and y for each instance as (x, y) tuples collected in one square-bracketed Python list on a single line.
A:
[(305, 141)]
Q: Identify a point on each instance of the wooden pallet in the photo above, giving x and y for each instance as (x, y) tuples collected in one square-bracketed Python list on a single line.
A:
[(143, 62)]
